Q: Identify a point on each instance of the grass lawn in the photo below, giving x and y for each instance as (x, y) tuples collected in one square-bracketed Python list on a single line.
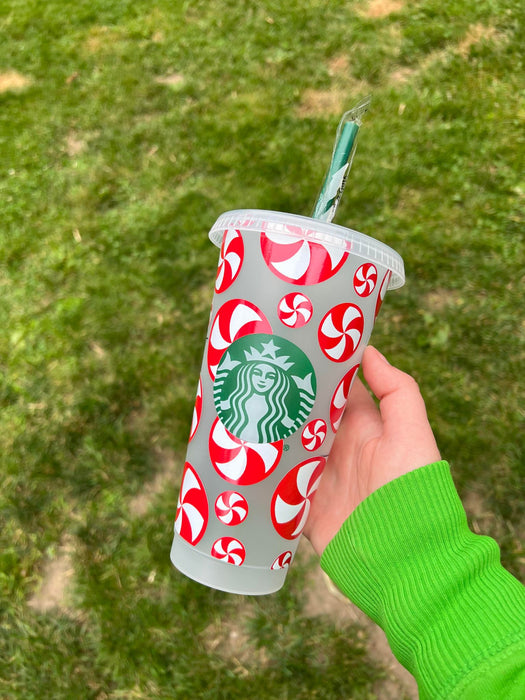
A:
[(126, 128)]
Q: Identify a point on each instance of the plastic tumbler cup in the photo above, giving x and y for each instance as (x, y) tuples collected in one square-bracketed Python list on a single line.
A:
[(294, 306)]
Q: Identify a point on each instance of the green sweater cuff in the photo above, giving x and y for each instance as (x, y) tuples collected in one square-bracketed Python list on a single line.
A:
[(408, 559)]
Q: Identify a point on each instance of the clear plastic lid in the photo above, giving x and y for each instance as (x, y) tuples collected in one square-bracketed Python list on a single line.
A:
[(281, 223)]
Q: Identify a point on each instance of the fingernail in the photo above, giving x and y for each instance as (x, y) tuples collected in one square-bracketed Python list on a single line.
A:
[(380, 355)]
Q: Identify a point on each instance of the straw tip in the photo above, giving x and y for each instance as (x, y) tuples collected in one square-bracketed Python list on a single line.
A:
[(356, 113)]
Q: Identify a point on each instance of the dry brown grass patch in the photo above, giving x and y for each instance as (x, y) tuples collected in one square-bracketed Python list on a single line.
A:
[(377, 9), (476, 33), (167, 475), (403, 74), (13, 81), (339, 66), (172, 79), (441, 299), (334, 101), (74, 144), (231, 642), (102, 39), (57, 576), (320, 102)]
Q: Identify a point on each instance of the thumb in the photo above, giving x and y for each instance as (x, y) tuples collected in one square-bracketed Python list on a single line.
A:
[(389, 384), (402, 407)]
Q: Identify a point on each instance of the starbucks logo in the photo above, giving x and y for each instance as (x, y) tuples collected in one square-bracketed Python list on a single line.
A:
[(264, 389)]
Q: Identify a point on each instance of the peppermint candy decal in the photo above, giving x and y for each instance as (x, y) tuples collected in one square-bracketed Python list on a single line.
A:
[(365, 279), (283, 561), (229, 550), (197, 411), (295, 310), (382, 291), (240, 462), (235, 319), (314, 434), (340, 332), (293, 497), (338, 402), (300, 261), (231, 508), (230, 259), (191, 518)]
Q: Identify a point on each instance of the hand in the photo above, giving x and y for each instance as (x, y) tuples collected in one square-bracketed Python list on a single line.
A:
[(372, 446)]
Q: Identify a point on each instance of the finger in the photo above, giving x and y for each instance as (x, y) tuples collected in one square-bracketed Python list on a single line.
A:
[(399, 397), (401, 405), (361, 422), (359, 397), (360, 403)]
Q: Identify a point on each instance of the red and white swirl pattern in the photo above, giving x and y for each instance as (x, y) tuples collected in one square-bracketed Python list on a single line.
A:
[(300, 261), (241, 462), (197, 411), (283, 561), (235, 319), (191, 517), (295, 310), (314, 434), (382, 291), (229, 550), (365, 279), (293, 497), (230, 259), (340, 332), (338, 402), (231, 508)]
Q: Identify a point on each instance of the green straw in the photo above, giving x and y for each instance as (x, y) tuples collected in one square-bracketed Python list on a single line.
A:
[(342, 156)]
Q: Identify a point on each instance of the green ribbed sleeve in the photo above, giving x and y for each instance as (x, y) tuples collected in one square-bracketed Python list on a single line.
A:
[(453, 616)]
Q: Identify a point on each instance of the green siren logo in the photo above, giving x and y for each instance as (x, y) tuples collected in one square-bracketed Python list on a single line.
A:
[(264, 389)]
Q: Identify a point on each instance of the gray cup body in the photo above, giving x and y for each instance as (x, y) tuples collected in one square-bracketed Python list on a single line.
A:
[(294, 307)]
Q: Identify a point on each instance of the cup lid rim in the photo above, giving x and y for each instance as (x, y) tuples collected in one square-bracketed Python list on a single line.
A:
[(259, 220)]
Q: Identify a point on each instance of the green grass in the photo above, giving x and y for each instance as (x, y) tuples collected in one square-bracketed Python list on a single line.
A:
[(126, 128)]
